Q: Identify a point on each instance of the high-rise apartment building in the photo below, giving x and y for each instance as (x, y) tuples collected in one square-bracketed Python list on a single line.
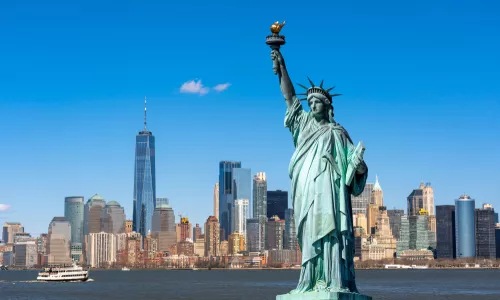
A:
[(184, 229), (277, 203), (216, 199), (253, 236), (212, 238), (464, 227), (485, 232), (415, 234), (59, 241), (144, 180), (240, 216), (197, 233), (290, 231), (9, 231), (275, 230), (421, 198), (102, 249), (260, 208), (360, 202), (227, 195), (445, 231), (113, 218)]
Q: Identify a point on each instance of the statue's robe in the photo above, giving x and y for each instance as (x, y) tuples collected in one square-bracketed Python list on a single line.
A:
[(323, 177)]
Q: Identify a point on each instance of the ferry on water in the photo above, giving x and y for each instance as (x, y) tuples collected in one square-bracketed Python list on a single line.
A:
[(71, 273)]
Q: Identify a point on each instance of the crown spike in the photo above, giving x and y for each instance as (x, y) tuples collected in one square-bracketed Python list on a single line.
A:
[(310, 81), (327, 90), (335, 95), (302, 86), (321, 84)]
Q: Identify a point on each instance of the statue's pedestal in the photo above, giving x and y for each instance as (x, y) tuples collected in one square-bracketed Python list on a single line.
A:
[(323, 296)]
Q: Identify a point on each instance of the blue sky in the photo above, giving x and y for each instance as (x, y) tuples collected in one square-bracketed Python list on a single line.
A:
[(420, 84)]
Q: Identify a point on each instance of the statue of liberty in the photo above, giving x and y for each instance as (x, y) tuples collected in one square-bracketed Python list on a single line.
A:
[(325, 170)]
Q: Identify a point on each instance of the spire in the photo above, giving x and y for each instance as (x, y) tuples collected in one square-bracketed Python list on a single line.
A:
[(145, 128), (376, 186)]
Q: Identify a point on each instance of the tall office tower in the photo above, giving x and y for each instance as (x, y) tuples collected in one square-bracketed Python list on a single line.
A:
[(377, 196), (160, 201), (395, 221), (415, 234), (275, 229), (236, 243), (240, 216), (383, 234), (113, 218), (184, 229), (485, 232), (227, 195), (216, 199), (445, 231), (102, 249), (74, 212), (277, 203), (290, 232), (144, 180), (163, 227), (421, 198), (59, 241), (242, 184), (371, 218), (128, 226), (360, 203), (197, 233), (25, 254), (464, 227), (9, 231), (497, 240), (360, 221), (253, 235), (212, 238), (260, 207), (92, 214)]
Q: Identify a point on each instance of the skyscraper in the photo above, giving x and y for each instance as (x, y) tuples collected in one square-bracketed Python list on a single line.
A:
[(395, 221), (260, 209), (113, 218), (74, 213), (445, 231), (216, 199), (421, 198), (464, 226), (290, 232), (485, 232), (163, 227), (92, 215), (240, 216), (360, 203), (58, 241), (144, 180), (377, 196), (226, 196), (277, 203), (9, 231)]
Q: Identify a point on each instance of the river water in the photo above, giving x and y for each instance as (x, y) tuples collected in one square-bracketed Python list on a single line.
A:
[(247, 284)]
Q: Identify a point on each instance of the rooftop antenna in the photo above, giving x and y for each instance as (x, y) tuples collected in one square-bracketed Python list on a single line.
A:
[(145, 128)]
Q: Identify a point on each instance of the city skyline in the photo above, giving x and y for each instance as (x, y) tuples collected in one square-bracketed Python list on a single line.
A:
[(72, 99)]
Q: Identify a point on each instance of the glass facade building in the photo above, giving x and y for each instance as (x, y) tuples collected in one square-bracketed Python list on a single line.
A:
[(290, 232), (227, 195), (113, 218), (360, 202), (464, 227), (277, 203), (144, 182), (395, 221), (445, 231), (73, 211), (485, 233)]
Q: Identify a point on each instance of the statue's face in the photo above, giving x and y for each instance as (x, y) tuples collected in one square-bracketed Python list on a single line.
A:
[(318, 108)]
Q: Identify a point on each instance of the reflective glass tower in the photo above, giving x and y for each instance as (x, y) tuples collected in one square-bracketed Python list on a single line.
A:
[(464, 224), (227, 195), (144, 180)]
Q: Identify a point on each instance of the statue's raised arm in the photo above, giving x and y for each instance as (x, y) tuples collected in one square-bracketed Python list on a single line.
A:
[(286, 85)]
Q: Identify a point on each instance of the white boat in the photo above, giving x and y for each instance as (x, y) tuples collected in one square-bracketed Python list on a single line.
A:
[(71, 273), (125, 269), (419, 267)]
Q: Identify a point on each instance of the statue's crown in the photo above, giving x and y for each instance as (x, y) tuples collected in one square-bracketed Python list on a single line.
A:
[(318, 90)]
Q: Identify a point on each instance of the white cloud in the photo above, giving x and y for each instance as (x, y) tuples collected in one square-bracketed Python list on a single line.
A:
[(222, 87), (194, 87), (4, 207)]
